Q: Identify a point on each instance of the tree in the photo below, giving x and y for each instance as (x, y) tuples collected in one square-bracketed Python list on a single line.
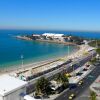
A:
[(42, 86), (95, 43), (92, 95), (93, 60), (98, 50), (61, 78)]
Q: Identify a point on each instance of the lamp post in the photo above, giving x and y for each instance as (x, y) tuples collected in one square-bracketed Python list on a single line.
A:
[(68, 49), (96, 44), (68, 45), (22, 60)]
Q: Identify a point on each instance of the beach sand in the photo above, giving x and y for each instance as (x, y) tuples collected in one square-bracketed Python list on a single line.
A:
[(36, 67)]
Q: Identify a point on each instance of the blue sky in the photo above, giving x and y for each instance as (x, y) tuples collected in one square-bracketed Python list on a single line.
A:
[(50, 14)]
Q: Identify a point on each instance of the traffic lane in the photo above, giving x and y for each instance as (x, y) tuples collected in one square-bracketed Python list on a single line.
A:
[(80, 89), (89, 81), (66, 95), (76, 91)]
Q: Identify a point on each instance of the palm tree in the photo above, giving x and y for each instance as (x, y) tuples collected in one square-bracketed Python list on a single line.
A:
[(61, 78), (93, 95), (42, 86)]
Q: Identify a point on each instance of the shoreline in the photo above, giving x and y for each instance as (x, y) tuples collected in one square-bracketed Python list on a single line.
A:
[(48, 41), (57, 42), (36, 64)]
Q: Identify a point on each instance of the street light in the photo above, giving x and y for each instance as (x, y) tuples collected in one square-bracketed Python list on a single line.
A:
[(22, 60), (96, 44), (68, 45)]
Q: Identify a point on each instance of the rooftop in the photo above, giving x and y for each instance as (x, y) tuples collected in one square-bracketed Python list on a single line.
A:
[(52, 34), (9, 84)]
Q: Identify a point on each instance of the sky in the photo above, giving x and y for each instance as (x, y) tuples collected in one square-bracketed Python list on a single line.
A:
[(50, 14)]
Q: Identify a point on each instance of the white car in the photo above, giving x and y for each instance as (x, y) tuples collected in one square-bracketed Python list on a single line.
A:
[(27, 97)]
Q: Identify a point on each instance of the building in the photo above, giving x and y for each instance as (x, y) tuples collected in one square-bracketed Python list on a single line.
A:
[(53, 35), (57, 37), (36, 36), (55, 85), (11, 88), (95, 87)]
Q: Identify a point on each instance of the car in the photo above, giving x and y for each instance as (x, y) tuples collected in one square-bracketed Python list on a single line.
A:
[(72, 96), (68, 74), (80, 83), (87, 65), (85, 69), (72, 86), (79, 74)]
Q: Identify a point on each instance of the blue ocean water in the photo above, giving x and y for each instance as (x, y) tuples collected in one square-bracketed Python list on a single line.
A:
[(11, 48)]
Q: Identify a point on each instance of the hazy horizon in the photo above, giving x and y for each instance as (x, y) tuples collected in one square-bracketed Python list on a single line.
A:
[(66, 15)]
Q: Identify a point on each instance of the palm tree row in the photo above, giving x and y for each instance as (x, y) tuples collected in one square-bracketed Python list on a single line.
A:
[(43, 84), (61, 78)]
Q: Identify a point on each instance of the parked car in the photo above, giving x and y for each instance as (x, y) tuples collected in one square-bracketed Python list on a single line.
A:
[(79, 74), (85, 69), (72, 96), (80, 83)]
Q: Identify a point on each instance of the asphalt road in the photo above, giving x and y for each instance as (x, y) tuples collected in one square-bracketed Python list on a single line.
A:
[(88, 80)]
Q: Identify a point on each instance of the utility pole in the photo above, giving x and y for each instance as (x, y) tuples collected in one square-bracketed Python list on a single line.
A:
[(72, 65), (96, 44)]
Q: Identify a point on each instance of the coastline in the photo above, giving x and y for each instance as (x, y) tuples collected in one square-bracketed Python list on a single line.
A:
[(22, 37), (57, 42), (36, 64), (48, 41)]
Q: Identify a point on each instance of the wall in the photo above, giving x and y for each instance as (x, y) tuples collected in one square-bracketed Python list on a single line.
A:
[(15, 95), (1, 98)]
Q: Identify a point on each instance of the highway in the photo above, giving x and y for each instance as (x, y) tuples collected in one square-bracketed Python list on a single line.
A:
[(88, 80)]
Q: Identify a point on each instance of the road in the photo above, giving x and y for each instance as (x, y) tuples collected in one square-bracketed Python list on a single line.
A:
[(80, 89), (67, 67)]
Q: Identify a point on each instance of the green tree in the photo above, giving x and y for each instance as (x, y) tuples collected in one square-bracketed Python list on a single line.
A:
[(61, 78), (42, 86), (93, 60), (92, 95), (95, 43)]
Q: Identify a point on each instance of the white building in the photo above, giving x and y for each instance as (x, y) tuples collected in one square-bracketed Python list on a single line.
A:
[(54, 36), (37, 35), (11, 88), (54, 85)]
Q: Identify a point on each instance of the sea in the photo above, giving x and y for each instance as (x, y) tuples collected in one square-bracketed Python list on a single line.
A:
[(13, 51)]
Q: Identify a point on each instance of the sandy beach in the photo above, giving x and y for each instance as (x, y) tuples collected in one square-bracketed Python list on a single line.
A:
[(35, 64), (37, 67)]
